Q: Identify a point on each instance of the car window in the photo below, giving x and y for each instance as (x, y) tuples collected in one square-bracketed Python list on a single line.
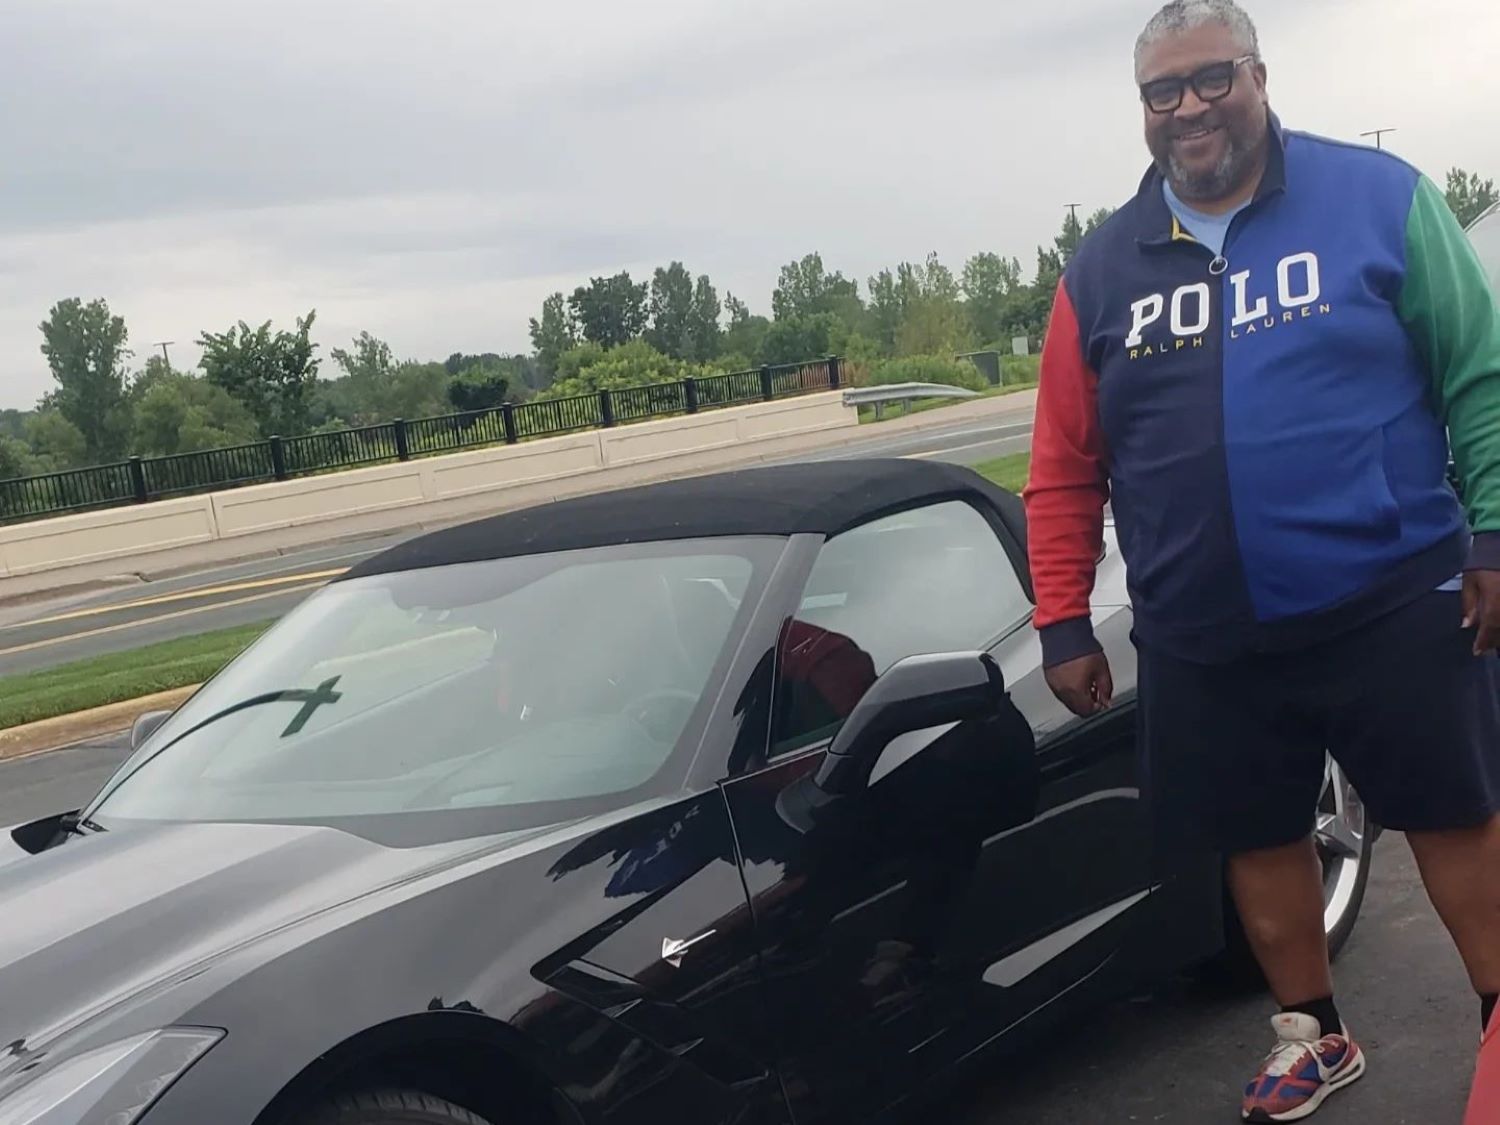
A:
[(537, 685), (933, 579)]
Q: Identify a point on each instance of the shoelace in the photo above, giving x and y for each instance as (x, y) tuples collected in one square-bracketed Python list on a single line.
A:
[(1286, 1055)]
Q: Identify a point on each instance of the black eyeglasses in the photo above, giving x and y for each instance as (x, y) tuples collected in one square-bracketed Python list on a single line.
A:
[(1211, 83)]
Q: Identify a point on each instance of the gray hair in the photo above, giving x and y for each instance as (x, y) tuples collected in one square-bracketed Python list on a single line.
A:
[(1185, 15)]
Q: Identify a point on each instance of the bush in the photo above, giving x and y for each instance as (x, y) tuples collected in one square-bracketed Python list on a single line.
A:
[(1020, 369), (928, 369)]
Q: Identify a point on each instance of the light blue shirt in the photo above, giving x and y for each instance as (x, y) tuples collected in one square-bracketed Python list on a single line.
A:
[(1207, 229), (1211, 230)]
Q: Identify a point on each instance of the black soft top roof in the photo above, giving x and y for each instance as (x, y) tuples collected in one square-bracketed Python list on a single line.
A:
[(814, 497)]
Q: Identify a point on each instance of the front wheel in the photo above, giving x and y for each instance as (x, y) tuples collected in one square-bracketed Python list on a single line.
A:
[(390, 1107), (1345, 842)]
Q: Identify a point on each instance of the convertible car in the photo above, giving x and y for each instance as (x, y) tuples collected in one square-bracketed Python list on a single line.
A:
[(737, 799)]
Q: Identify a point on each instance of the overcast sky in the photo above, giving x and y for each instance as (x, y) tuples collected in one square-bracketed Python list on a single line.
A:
[(430, 170)]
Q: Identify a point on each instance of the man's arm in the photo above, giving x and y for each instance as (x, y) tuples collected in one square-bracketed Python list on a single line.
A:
[(1449, 310), (1066, 492)]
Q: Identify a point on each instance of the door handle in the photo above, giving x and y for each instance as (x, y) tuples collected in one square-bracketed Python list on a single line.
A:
[(673, 949)]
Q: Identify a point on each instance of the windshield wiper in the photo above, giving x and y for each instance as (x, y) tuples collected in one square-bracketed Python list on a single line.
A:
[(311, 699)]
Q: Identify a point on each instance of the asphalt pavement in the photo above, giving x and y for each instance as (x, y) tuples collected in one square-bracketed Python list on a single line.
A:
[(43, 635), (1177, 1056)]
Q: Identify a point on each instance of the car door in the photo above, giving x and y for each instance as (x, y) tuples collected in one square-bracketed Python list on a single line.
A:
[(905, 926)]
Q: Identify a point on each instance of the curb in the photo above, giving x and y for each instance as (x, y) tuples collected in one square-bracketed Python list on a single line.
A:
[(59, 733)]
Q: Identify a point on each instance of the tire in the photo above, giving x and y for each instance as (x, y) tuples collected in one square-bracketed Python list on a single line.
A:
[(390, 1107), (1346, 844)]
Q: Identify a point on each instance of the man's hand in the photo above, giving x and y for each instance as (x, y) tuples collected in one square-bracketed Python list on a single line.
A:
[(1085, 687), (1482, 608)]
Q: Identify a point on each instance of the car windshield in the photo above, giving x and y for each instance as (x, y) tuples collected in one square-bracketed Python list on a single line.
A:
[(1485, 234), (537, 688)]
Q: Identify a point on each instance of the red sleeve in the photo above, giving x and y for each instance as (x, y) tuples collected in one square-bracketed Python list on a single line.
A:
[(1067, 490)]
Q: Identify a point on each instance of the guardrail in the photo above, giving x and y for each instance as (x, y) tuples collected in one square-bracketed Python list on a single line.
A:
[(142, 480), (905, 393)]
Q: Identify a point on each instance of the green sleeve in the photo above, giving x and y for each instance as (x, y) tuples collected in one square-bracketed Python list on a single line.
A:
[(1450, 312)]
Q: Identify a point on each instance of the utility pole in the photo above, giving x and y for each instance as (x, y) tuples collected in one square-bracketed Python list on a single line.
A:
[(1377, 134), (1073, 207), (163, 344)]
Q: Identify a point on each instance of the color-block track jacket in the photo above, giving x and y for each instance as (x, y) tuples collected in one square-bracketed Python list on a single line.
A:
[(1272, 427)]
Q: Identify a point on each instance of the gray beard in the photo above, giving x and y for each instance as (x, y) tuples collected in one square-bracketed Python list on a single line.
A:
[(1211, 185)]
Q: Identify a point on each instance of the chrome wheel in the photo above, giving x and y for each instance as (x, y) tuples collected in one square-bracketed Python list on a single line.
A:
[(1343, 842)]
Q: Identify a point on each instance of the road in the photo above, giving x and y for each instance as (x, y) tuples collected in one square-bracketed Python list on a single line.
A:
[(1175, 1057), (37, 637)]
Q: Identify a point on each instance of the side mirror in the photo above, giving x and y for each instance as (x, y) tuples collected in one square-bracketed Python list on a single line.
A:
[(146, 725), (916, 693)]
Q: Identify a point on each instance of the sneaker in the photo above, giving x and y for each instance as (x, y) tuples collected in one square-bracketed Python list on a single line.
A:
[(1303, 1069)]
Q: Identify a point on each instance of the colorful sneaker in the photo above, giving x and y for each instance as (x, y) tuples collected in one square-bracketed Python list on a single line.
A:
[(1301, 1071)]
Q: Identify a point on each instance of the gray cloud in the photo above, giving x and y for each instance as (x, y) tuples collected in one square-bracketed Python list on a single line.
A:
[(431, 171)]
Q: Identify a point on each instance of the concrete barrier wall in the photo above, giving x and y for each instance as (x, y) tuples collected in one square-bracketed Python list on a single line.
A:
[(113, 534), (505, 473)]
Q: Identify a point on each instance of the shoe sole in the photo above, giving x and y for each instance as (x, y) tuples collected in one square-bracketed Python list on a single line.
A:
[(1310, 1107)]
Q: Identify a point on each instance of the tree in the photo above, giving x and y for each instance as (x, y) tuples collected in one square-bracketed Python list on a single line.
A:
[(887, 311), (796, 338), (178, 413), (56, 442), (990, 286), (554, 334), (370, 363), (704, 335), (636, 364), (1097, 220), (611, 311), (671, 311), (933, 318), (1469, 196), (805, 289), (1068, 241), (482, 387), (746, 334), (85, 348), (15, 458), (273, 376)]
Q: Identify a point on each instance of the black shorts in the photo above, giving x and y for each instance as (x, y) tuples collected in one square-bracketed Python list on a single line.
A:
[(1233, 755)]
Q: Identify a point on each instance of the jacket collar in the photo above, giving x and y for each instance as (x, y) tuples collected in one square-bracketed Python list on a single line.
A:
[(1157, 224)]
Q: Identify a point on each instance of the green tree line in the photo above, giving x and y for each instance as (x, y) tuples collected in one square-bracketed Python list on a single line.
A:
[(909, 322)]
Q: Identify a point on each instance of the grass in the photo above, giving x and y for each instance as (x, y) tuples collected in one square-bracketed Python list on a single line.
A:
[(897, 409), (1008, 472), (120, 676)]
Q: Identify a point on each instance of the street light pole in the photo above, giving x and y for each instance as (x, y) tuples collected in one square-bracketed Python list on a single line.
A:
[(1377, 134)]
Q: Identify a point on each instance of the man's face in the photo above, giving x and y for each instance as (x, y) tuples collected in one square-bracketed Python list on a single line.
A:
[(1206, 149)]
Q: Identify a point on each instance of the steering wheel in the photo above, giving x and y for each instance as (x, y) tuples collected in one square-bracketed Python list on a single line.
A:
[(642, 708)]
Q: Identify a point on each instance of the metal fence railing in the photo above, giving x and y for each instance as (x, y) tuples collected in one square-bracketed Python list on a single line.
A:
[(141, 480)]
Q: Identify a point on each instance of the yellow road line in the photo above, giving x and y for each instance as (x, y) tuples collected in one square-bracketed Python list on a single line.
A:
[(32, 646), (182, 596)]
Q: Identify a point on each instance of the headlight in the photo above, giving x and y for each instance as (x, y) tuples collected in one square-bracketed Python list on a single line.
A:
[(110, 1085)]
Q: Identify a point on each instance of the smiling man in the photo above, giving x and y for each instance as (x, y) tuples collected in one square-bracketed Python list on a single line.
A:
[(1263, 359)]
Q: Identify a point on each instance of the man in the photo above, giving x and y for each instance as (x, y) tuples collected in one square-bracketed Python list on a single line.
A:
[(1256, 359)]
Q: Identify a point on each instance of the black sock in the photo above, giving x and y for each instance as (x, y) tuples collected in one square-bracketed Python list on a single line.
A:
[(1323, 1011), (1487, 1008)]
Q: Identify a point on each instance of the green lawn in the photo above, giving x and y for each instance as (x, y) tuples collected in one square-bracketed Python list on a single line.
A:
[(1008, 472), (120, 676)]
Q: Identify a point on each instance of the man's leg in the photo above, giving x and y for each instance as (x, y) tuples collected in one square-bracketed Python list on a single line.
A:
[(1232, 761), (1461, 870), (1278, 893), (1419, 736)]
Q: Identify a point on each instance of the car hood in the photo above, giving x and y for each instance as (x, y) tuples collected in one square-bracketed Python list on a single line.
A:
[(102, 917)]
